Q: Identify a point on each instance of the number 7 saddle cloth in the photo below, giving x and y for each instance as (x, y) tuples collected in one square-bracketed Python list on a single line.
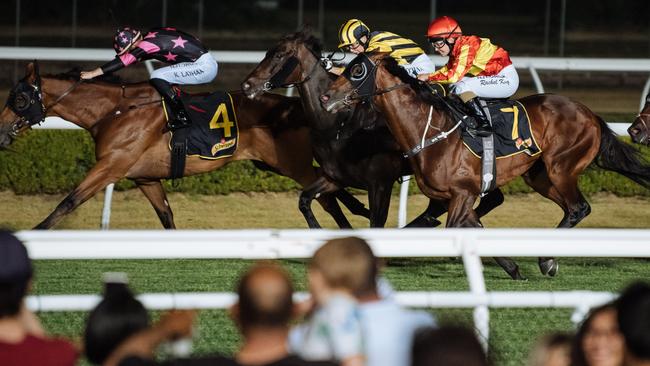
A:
[(213, 132), (512, 132)]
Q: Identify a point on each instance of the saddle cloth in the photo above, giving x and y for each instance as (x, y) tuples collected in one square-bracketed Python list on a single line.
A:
[(512, 132), (213, 132)]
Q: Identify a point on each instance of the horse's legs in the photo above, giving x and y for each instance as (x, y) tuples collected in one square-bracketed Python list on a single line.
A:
[(98, 177), (355, 206), (155, 193), (329, 204), (428, 218), (319, 187), (436, 208), (462, 214), (379, 200)]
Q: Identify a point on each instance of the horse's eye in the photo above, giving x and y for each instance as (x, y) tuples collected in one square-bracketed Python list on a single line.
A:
[(279, 55), (21, 102), (358, 71)]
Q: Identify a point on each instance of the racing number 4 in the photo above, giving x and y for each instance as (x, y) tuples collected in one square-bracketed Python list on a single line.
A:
[(221, 119)]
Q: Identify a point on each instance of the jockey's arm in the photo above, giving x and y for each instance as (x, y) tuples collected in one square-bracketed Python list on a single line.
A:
[(336, 70)]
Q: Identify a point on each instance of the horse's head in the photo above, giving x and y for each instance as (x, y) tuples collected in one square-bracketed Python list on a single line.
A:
[(285, 64), (24, 106), (639, 131), (357, 83)]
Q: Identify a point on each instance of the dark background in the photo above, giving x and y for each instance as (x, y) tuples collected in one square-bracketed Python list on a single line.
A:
[(596, 28)]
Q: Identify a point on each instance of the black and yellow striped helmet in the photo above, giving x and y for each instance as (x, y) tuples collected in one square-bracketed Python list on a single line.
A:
[(351, 31)]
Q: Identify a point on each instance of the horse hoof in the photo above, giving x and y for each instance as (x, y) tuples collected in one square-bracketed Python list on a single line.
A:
[(426, 221), (516, 275), (549, 267)]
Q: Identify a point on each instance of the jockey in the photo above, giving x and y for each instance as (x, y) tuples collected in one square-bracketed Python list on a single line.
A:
[(476, 68), (355, 36), (190, 62)]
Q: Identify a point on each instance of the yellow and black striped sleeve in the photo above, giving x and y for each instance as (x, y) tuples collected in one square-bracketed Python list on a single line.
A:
[(403, 50)]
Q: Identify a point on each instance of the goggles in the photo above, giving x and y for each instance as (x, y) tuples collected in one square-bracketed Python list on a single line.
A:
[(437, 42)]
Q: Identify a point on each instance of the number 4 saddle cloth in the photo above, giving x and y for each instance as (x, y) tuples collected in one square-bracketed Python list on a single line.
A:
[(213, 132), (512, 132)]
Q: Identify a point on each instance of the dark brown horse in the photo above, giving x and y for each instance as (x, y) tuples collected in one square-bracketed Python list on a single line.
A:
[(354, 149), (131, 140), (639, 131), (570, 135)]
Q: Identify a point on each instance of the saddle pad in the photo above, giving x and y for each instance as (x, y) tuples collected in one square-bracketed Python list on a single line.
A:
[(213, 132), (512, 132)]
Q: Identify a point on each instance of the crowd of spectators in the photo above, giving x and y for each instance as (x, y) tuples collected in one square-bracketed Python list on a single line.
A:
[(351, 319)]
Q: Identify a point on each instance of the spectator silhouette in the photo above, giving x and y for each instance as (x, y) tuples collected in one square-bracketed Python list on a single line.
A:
[(598, 341), (118, 316), (633, 308), (447, 346), (22, 339), (262, 314)]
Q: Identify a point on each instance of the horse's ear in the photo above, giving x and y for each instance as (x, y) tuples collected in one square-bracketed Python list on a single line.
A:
[(306, 30), (31, 71)]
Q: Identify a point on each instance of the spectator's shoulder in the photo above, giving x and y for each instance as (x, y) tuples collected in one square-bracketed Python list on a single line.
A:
[(297, 361)]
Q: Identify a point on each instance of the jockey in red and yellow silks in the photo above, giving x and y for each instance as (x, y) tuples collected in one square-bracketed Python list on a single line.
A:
[(472, 56), (476, 68)]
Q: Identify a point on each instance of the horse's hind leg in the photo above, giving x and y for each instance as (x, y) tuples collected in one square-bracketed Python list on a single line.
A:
[(379, 200), (155, 193), (98, 177)]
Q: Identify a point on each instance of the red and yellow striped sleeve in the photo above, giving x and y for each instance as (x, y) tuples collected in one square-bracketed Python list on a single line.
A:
[(460, 61)]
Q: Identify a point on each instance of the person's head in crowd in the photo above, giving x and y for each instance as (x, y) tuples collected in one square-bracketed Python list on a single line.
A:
[(118, 316), (633, 308), (447, 346), (15, 274), (551, 350), (598, 341), (265, 298), (343, 265)]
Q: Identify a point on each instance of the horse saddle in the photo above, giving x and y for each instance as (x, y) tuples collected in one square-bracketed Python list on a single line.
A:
[(512, 132), (213, 133)]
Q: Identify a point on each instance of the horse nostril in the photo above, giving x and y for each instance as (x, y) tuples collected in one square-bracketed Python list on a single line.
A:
[(245, 86), (324, 98)]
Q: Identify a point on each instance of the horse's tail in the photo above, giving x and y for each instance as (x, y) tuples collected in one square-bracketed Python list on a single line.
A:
[(621, 158)]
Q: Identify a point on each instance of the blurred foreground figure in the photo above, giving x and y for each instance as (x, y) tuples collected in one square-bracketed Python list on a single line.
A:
[(447, 346), (634, 321), (598, 341), (22, 339)]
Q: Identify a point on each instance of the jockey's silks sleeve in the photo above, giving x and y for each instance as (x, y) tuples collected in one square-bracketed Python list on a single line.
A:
[(403, 50), (472, 56), (168, 45)]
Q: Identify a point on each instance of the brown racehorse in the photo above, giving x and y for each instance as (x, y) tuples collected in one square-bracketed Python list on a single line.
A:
[(639, 131), (570, 135), (131, 140)]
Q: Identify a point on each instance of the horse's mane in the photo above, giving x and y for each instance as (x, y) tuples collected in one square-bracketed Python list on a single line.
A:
[(305, 36), (418, 86)]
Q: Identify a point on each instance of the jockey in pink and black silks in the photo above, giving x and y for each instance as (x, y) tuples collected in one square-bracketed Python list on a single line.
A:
[(189, 61)]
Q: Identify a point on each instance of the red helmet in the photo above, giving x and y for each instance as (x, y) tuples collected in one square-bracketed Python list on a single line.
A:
[(444, 27), (124, 39)]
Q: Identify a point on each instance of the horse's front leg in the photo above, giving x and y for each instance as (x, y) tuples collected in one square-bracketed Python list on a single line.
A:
[(462, 214), (102, 174), (321, 186)]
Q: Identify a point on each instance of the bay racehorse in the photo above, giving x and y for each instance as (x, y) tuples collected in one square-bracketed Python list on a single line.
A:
[(128, 126), (355, 148), (570, 136)]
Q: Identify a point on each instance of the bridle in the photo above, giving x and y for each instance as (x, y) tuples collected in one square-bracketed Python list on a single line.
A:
[(22, 103), (278, 80)]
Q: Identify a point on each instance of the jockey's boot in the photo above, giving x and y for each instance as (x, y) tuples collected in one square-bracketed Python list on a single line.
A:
[(179, 119), (484, 128)]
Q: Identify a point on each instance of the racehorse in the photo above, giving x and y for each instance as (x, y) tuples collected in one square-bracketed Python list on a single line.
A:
[(639, 130), (128, 126), (354, 149), (570, 136)]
